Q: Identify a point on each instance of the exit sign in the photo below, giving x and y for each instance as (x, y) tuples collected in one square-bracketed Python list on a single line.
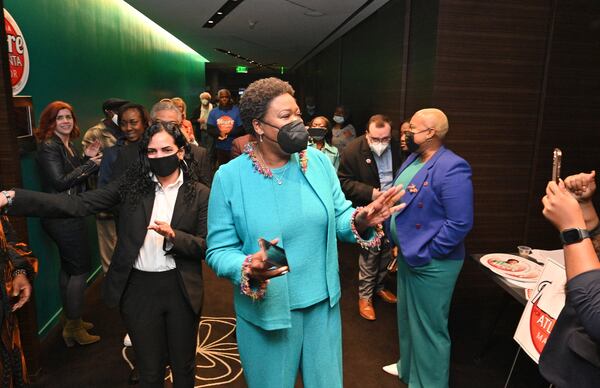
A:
[(241, 69)]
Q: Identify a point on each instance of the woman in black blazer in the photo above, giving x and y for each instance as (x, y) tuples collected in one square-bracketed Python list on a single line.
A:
[(155, 276), (64, 170)]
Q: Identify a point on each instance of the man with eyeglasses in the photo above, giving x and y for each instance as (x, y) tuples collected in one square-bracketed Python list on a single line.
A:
[(367, 169)]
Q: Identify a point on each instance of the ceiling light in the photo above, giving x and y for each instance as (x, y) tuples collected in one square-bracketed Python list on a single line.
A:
[(210, 21), (313, 13), (219, 13)]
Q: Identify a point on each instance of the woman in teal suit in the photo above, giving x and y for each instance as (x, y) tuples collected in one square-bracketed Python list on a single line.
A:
[(429, 234), (287, 318)]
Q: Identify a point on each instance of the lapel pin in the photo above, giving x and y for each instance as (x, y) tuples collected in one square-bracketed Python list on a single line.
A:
[(425, 183), (412, 188), (368, 161)]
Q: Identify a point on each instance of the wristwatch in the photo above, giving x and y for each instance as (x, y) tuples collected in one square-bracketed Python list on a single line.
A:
[(573, 235)]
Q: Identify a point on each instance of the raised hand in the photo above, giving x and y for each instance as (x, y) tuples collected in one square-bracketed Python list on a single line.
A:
[(380, 209), (561, 208), (582, 185)]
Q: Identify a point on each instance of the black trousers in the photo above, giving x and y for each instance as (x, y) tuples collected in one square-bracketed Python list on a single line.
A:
[(162, 327)]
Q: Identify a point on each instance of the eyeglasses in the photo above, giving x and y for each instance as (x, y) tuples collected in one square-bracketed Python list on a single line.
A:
[(170, 125), (380, 140), (412, 128)]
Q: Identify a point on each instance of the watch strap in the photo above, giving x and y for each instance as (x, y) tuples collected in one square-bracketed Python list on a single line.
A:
[(573, 235)]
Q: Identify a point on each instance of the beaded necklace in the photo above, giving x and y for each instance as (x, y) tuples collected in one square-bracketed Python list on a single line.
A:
[(261, 167)]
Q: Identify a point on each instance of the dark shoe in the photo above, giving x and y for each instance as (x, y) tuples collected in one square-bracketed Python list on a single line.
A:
[(366, 310), (134, 377), (387, 296)]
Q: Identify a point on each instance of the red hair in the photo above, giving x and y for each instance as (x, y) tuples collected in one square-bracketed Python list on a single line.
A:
[(48, 121)]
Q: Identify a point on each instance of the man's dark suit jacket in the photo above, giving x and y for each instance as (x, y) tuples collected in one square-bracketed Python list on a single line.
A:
[(358, 170), (188, 222), (129, 154)]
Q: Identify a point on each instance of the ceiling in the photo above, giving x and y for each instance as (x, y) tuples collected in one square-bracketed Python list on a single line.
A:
[(271, 32)]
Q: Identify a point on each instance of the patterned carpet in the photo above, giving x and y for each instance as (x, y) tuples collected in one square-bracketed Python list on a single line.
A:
[(367, 346)]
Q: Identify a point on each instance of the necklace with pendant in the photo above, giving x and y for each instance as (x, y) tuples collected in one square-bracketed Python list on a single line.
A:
[(276, 177)]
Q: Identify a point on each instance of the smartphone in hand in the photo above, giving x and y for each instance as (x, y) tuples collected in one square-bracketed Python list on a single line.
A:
[(556, 161), (275, 255)]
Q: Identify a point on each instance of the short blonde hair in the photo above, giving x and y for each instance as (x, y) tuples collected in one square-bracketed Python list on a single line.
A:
[(435, 119), (97, 133)]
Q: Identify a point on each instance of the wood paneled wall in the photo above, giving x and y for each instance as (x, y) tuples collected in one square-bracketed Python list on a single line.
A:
[(516, 79)]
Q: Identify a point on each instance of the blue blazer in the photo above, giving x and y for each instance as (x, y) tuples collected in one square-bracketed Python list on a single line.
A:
[(439, 209), (242, 208)]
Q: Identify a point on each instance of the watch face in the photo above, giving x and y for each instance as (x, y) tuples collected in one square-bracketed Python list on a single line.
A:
[(571, 236)]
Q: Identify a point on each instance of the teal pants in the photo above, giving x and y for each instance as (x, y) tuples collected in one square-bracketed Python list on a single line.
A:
[(271, 358), (424, 295)]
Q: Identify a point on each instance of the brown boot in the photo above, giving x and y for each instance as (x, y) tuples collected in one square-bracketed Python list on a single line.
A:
[(366, 310), (74, 331), (387, 296)]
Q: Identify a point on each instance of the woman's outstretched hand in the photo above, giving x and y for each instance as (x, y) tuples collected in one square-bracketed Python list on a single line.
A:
[(380, 209)]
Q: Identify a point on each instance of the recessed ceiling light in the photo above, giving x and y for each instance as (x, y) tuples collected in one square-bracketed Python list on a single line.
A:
[(219, 13), (210, 21), (313, 13)]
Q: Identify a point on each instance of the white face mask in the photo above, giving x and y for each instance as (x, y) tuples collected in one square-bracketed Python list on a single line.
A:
[(204, 101), (338, 119), (115, 119), (379, 149)]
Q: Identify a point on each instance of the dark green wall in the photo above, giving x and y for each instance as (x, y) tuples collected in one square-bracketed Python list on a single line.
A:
[(84, 52)]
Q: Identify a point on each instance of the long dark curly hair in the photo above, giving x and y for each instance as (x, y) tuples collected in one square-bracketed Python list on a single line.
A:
[(136, 182)]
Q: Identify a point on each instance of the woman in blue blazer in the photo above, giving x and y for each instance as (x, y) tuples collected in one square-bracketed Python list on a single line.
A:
[(287, 318), (429, 234)]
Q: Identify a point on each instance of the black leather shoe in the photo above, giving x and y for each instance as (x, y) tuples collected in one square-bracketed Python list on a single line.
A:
[(134, 377)]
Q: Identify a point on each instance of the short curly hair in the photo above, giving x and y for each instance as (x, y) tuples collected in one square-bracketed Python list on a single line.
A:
[(257, 97)]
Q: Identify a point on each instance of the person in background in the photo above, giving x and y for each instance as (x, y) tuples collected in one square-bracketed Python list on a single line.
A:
[(133, 120), (318, 130), (342, 132), (64, 171), (186, 125), (239, 143), (310, 109), (570, 358), (366, 171), (155, 277), (429, 234), (224, 124), (404, 127), (109, 124), (289, 195), (204, 109)]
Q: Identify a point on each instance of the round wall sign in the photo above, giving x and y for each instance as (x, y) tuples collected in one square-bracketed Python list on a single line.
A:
[(18, 57)]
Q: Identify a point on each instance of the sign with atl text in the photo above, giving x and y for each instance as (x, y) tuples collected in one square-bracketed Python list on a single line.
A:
[(18, 57), (545, 304)]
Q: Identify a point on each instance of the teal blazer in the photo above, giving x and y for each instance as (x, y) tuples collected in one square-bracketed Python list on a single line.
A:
[(242, 208)]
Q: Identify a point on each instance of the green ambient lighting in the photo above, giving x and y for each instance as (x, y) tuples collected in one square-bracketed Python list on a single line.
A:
[(241, 69), (282, 69)]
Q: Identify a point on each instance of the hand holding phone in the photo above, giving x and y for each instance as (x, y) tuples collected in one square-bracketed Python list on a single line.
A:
[(275, 254)]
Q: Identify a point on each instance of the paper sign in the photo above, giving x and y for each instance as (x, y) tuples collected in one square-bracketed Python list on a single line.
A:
[(542, 310)]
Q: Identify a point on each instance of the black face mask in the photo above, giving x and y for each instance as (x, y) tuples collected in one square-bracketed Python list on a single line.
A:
[(292, 137), (317, 134), (410, 142), (164, 166)]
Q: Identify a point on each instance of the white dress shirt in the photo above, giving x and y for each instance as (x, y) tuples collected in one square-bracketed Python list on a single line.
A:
[(152, 257)]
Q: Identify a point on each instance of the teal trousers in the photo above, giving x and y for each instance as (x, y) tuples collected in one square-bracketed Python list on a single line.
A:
[(313, 345), (424, 295)]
